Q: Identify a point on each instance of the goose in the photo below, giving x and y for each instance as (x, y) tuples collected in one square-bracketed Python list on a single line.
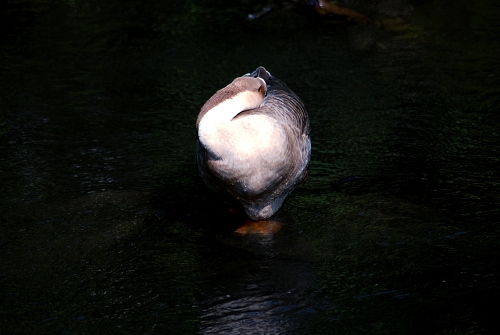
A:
[(253, 142)]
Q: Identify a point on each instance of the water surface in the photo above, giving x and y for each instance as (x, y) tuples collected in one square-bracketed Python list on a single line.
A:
[(107, 229)]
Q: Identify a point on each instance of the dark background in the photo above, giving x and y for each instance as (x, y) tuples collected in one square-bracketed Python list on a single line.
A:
[(106, 228)]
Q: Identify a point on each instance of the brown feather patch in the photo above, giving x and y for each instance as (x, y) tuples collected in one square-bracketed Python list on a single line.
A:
[(238, 85)]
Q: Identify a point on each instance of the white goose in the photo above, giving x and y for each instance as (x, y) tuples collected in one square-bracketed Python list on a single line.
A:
[(254, 146)]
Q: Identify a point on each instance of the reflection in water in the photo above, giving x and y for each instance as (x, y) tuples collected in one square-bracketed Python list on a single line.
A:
[(105, 227), (272, 291), (263, 227)]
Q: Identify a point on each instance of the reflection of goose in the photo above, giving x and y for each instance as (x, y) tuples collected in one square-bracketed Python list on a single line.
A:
[(252, 145)]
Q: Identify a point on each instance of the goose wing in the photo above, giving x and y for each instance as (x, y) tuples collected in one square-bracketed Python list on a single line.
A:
[(286, 108), (281, 103)]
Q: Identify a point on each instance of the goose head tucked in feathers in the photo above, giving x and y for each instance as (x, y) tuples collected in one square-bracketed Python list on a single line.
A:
[(253, 142)]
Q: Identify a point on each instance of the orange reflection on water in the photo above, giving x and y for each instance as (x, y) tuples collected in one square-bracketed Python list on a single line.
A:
[(264, 227)]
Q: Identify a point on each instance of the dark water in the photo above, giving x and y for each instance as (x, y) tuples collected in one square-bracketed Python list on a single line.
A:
[(106, 228)]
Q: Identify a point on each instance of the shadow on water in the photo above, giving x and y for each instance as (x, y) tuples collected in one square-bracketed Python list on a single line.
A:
[(107, 228)]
